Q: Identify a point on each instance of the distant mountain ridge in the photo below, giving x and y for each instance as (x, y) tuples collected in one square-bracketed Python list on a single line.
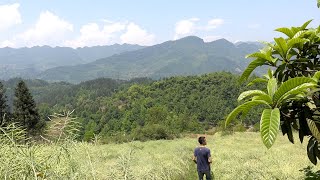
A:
[(186, 56), (28, 62)]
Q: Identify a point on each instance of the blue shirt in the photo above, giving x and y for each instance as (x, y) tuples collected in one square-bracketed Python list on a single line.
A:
[(202, 154)]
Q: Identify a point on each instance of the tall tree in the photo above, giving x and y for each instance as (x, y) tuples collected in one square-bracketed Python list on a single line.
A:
[(4, 109), (24, 109), (292, 99)]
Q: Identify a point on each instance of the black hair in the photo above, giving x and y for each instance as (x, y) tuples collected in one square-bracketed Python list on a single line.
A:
[(201, 139)]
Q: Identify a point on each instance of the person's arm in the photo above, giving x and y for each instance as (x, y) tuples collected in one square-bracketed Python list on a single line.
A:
[(194, 157), (209, 157)]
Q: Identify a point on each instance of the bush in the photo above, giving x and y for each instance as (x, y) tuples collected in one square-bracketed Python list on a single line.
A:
[(239, 127), (230, 129), (151, 132)]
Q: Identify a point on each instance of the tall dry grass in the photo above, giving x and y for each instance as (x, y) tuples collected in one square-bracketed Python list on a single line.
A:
[(236, 156)]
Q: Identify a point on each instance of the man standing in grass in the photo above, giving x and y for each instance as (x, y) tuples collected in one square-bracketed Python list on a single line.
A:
[(202, 157)]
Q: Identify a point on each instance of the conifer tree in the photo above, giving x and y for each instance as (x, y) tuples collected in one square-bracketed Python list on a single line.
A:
[(24, 109), (4, 109)]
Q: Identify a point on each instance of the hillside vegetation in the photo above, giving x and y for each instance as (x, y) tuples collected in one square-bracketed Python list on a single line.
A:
[(143, 109), (29, 62), (186, 56)]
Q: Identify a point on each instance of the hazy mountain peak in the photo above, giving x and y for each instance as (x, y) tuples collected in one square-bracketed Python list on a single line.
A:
[(190, 39), (222, 41)]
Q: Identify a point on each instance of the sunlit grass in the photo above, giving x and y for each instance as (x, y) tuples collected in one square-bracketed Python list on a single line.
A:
[(243, 156), (236, 156)]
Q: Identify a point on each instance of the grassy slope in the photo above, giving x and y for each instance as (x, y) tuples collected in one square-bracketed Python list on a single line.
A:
[(238, 156), (243, 156)]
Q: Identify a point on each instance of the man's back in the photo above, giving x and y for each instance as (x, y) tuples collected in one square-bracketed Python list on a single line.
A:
[(202, 155)]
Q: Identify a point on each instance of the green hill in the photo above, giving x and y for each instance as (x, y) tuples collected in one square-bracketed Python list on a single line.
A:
[(142, 108), (28, 62), (186, 56)]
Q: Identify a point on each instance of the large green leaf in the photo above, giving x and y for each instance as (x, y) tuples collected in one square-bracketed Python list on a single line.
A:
[(304, 26), (257, 55), (265, 53), (243, 107), (269, 126), (286, 31), (263, 97), (297, 92), (296, 29), (292, 42), (249, 94), (252, 66), (316, 76), (281, 46), (314, 129), (298, 34), (272, 86), (257, 80), (311, 150), (290, 85), (318, 4), (268, 44)]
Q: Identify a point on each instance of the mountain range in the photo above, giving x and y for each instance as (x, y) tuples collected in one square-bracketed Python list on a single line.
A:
[(186, 56), (29, 62)]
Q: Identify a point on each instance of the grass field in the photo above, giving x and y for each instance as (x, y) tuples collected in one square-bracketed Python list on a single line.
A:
[(237, 156)]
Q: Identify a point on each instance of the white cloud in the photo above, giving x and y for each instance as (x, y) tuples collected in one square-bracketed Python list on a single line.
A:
[(48, 30), (92, 35), (9, 16), (189, 27), (136, 35), (185, 27), (214, 23), (52, 30), (7, 43), (112, 32), (114, 27)]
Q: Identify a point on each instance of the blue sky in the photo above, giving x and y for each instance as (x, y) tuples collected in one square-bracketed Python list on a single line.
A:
[(81, 23)]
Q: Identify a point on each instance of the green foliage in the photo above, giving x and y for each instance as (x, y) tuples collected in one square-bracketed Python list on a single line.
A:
[(25, 111), (179, 104), (186, 56), (116, 109), (4, 109), (292, 90), (270, 122), (152, 132)]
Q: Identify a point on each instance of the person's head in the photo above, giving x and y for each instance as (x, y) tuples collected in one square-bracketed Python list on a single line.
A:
[(202, 140)]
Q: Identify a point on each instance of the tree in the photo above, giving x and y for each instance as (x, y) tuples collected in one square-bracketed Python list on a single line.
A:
[(292, 98), (4, 109), (24, 111)]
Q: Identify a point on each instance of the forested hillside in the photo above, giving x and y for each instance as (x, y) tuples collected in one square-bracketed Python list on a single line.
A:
[(28, 62), (186, 56), (141, 108)]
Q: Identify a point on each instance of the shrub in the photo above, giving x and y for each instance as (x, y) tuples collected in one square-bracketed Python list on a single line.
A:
[(151, 132)]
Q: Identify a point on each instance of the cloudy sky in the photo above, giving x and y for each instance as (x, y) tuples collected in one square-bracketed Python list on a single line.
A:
[(79, 23)]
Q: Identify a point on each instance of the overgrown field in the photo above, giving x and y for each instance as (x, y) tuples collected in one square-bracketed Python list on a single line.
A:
[(236, 156)]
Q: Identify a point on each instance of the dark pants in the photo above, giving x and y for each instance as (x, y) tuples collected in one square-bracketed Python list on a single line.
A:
[(202, 173)]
